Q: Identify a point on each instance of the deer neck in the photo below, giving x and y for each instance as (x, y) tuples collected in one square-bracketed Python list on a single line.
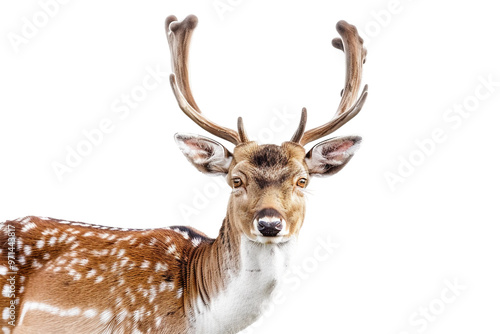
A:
[(232, 279)]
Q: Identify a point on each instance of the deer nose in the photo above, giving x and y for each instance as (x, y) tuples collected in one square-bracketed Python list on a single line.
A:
[(269, 228), (269, 222)]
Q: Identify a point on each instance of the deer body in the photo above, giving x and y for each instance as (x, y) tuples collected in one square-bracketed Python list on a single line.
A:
[(81, 278), (72, 277)]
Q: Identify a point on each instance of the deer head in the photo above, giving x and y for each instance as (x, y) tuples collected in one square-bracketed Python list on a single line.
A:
[(267, 202)]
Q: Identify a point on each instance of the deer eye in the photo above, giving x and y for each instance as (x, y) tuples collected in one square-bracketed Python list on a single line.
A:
[(237, 182), (302, 182)]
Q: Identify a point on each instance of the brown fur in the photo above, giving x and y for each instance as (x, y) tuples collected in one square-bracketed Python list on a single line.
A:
[(66, 271)]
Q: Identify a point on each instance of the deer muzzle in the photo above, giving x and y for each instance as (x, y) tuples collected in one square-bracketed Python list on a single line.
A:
[(269, 222)]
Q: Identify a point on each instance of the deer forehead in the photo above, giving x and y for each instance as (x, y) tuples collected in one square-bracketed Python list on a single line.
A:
[(269, 160)]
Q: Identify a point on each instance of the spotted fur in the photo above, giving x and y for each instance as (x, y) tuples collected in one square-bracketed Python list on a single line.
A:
[(100, 278)]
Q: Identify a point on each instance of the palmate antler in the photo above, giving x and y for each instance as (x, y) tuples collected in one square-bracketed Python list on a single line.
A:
[(352, 45), (179, 37)]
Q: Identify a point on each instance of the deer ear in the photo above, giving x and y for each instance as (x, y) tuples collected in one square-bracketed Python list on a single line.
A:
[(207, 155), (330, 156)]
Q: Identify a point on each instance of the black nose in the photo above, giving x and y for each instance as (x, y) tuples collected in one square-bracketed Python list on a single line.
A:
[(269, 228), (269, 222)]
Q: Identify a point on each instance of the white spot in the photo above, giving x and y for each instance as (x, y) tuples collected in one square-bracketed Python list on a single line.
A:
[(106, 316), (121, 252), (28, 306), (27, 250), (183, 233), (152, 294), (70, 239), (89, 234), (179, 293), (99, 279), (82, 224), (50, 231), (137, 315), (158, 322), (40, 243), (5, 313), (52, 241), (46, 256), (6, 330), (36, 264), (196, 242), (145, 264), (91, 273), (90, 313), (3, 270), (171, 249), (161, 266), (62, 237), (28, 227), (22, 260)]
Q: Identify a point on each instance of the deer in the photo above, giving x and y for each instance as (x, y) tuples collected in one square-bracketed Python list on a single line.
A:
[(63, 276)]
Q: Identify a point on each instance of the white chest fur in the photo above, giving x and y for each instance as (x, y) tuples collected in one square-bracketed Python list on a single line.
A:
[(248, 290)]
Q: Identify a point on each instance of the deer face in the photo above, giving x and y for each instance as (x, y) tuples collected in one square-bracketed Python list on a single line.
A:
[(267, 202)]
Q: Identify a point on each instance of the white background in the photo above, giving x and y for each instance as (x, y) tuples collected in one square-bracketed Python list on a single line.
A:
[(397, 245)]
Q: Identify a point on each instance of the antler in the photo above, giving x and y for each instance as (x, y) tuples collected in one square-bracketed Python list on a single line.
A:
[(352, 44), (179, 37)]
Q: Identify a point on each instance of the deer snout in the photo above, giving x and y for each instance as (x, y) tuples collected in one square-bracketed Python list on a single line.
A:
[(269, 222)]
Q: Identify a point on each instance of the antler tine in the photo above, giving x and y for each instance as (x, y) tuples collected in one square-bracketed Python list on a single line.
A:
[(179, 37), (297, 136), (241, 130), (352, 45)]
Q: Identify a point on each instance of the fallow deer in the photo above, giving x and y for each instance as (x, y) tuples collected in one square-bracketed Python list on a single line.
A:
[(71, 277)]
